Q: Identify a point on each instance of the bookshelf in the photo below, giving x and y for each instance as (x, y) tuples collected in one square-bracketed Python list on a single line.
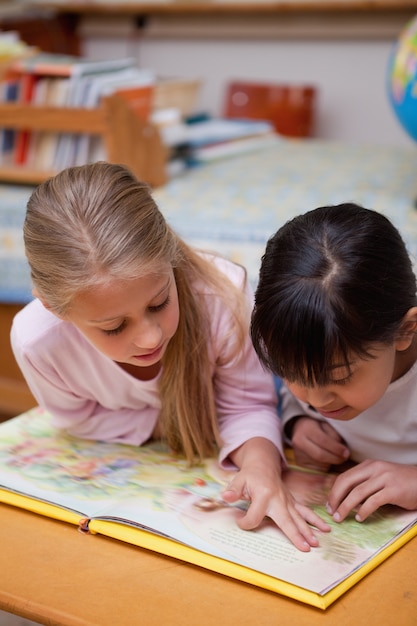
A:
[(127, 138)]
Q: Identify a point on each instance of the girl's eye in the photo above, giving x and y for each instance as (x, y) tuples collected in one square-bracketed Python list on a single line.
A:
[(342, 381), (160, 307), (115, 331), (152, 309)]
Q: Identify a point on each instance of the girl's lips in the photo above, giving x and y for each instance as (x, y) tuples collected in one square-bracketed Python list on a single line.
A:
[(151, 356), (333, 414)]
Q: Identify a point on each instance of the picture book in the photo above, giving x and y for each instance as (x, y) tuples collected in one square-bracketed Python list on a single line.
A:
[(149, 497)]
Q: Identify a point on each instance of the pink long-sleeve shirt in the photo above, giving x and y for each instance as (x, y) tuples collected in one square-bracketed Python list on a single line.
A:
[(92, 397)]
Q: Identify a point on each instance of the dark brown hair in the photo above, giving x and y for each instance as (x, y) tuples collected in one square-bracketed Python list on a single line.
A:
[(332, 282)]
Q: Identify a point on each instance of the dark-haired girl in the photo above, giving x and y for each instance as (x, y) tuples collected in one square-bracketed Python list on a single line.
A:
[(335, 317)]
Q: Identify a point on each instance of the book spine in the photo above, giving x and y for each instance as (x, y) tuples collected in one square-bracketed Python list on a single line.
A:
[(26, 90), (83, 526), (7, 135)]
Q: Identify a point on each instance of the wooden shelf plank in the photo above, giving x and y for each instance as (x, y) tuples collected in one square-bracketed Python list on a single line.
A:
[(21, 175), (172, 6), (53, 118), (128, 139)]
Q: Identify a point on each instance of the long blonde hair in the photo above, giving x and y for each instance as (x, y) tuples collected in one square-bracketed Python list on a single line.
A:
[(97, 221)]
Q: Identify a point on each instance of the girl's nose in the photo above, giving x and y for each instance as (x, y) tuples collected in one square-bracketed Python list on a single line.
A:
[(315, 396), (148, 336)]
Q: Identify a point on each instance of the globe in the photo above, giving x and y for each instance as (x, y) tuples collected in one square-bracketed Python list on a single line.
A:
[(402, 78)]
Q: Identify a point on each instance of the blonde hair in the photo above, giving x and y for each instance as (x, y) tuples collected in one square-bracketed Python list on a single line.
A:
[(97, 222)]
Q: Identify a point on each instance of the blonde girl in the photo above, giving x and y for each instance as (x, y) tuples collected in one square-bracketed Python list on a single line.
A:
[(133, 335)]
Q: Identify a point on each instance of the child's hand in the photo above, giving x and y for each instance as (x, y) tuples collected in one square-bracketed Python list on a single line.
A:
[(317, 445), (259, 481), (371, 484)]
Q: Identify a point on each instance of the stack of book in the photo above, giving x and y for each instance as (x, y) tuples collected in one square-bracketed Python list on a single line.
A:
[(200, 141)]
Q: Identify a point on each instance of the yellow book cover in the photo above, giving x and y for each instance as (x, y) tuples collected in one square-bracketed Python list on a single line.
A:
[(151, 498)]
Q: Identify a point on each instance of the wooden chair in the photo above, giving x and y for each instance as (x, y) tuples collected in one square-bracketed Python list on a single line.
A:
[(290, 108)]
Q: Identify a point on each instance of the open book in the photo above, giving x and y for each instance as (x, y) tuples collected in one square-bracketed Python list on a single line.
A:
[(151, 498)]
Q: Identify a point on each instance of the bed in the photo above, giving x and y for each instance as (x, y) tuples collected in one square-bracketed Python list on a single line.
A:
[(234, 204)]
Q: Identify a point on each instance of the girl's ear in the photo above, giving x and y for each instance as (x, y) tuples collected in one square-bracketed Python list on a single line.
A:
[(407, 330)]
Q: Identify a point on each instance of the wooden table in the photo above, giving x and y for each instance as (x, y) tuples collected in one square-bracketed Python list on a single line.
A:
[(53, 574)]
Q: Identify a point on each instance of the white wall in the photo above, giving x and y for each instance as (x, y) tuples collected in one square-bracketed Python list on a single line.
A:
[(351, 76)]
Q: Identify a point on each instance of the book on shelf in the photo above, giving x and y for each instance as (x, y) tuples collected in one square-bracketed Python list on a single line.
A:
[(25, 91), (8, 94), (52, 64), (149, 497)]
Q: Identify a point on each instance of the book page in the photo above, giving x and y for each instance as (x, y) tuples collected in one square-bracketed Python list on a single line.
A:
[(156, 490)]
